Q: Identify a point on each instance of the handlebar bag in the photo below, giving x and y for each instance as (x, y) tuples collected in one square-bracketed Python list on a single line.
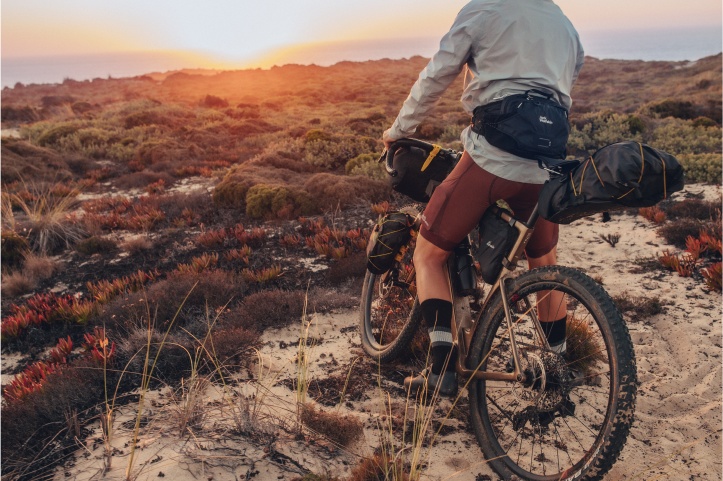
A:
[(391, 232), (619, 175), (415, 167)]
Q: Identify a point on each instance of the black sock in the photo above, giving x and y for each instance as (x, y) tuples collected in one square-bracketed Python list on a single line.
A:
[(555, 331), (437, 314)]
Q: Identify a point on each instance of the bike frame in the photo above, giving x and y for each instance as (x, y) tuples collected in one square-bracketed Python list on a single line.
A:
[(465, 326)]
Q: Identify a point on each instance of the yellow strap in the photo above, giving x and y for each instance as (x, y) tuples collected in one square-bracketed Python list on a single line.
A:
[(596, 172), (642, 169), (431, 156), (582, 177)]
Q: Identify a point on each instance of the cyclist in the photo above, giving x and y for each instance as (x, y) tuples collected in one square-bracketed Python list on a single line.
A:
[(507, 47)]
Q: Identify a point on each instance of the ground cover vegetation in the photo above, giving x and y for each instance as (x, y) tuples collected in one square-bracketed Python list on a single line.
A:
[(147, 218)]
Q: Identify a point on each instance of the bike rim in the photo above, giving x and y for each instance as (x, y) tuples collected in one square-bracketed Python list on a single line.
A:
[(548, 428), (389, 309)]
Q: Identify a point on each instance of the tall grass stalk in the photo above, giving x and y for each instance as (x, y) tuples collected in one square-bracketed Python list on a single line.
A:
[(303, 359), (146, 375)]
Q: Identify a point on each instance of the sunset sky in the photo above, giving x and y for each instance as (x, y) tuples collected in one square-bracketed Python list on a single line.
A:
[(245, 33)]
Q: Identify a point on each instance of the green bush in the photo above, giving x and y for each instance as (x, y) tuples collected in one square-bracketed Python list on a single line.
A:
[(275, 201), (595, 130), (678, 136), (681, 109), (366, 165), (53, 135), (336, 151), (704, 168)]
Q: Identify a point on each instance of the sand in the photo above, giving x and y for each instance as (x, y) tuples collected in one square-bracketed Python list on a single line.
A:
[(248, 428)]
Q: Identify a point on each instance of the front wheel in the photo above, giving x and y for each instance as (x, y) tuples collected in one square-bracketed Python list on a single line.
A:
[(569, 415), (389, 313)]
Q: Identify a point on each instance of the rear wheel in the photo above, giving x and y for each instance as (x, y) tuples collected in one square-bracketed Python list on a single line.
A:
[(389, 313), (570, 415)]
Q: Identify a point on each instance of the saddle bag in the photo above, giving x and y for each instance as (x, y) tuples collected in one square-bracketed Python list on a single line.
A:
[(496, 240), (529, 125), (415, 167), (624, 174), (391, 232)]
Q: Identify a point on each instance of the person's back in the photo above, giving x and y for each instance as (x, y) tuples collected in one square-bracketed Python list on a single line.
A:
[(518, 45)]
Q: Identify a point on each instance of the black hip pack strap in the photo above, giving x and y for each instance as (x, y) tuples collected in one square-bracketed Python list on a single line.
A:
[(532, 125)]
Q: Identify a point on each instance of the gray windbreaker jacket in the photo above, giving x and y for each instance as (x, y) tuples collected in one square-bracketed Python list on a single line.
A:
[(508, 46)]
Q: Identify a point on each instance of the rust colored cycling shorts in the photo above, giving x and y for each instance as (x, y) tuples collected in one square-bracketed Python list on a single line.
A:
[(458, 203)]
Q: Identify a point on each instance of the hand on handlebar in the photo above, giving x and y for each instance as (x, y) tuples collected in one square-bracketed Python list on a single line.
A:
[(387, 140)]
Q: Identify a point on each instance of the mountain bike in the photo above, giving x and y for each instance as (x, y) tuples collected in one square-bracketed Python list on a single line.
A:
[(537, 415)]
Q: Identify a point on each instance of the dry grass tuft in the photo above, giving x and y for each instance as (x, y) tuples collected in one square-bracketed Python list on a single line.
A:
[(342, 429), (583, 347), (136, 245), (17, 283), (379, 467), (39, 267), (639, 307)]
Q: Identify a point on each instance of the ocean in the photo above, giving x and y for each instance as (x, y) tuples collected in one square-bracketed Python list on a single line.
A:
[(661, 44)]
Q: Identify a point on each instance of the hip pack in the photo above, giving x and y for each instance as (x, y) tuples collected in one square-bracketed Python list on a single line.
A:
[(529, 125)]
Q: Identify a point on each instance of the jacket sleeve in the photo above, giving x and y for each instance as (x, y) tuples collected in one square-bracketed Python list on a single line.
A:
[(580, 61), (454, 52)]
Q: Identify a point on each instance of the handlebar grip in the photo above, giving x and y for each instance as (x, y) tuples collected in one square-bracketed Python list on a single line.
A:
[(388, 165)]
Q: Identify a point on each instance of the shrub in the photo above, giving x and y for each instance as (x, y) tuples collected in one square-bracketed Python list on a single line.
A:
[(679, 137), (33, 429), (39, 267), (653, 214), (232, 343), (681, 109), (13, 248), (95, 245), (367, 165), (269, 201), (342, 429), (641, 307), (332, 191), (331, 152), (282, 160), (53, 135), (379, 467), (173, 362), (267, 309), (692, 209), (136, 245), (352, 266), (213, 102), (232, 190), (17, 283), (712, 276), (705, 168), (591, 131), (676, 232), (49, 222)]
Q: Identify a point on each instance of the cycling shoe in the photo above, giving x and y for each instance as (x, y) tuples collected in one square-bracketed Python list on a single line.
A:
[(445, 384)]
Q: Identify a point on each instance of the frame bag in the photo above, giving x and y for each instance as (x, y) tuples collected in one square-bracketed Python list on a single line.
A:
[(415, 167), (624, 174), (496, 240)]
